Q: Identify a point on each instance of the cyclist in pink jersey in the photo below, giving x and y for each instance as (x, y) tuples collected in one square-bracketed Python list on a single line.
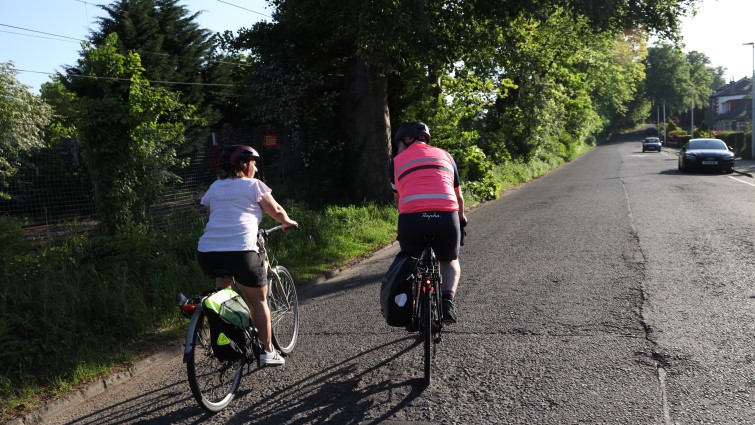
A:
[(236, 202), (426, 188)]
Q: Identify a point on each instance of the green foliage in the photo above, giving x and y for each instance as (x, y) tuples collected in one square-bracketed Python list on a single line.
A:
[(668, 77), (23, 118), (62, 128), (129, 131), (672, 126), (88, 294), (702, 130), (517, 74), (677, 134)]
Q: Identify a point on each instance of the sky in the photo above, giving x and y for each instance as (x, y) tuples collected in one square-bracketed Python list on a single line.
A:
[(718, 30), (26, 27)]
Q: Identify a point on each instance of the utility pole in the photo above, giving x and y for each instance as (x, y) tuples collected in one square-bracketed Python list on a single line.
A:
[(692, 119), (665, 132), (752, 84)]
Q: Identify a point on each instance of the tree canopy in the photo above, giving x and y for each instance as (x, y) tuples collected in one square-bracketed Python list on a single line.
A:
[(551, 72), (175, 52)]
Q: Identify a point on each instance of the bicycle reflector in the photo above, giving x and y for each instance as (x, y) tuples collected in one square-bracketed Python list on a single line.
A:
[(188, 309)]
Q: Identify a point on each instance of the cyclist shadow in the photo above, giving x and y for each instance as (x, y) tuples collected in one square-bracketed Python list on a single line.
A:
[(336, 394)]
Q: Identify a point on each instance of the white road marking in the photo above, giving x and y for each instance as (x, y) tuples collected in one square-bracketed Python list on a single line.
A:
[(740, 180)]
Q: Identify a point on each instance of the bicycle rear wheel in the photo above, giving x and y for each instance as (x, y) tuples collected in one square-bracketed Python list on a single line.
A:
[(426, 329), (213, 382), (284, 310)]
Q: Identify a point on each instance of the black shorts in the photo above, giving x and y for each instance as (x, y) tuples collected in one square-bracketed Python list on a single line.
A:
[(245, 266), (443, 226)]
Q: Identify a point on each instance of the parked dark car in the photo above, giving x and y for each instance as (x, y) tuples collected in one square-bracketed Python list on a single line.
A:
[(651, 144), (706, 154)]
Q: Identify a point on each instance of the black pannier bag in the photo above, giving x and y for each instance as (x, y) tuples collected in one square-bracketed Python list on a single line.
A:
[(227, 316), (396, 290)]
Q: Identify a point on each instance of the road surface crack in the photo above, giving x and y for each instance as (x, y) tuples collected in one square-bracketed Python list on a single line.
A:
[(638, 259)]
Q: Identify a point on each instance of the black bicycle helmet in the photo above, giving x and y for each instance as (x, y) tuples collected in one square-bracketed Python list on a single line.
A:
[(413, 130), (232, 156)]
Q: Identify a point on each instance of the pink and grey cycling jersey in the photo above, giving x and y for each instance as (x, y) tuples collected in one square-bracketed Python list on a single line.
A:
[(424, 178)]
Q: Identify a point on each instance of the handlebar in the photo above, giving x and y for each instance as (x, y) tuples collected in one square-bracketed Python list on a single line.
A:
[(266, 232)]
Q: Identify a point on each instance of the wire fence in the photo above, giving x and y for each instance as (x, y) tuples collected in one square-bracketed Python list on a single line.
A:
[(52, 193)]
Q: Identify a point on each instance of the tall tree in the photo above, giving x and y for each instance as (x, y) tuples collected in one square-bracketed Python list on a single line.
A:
[(702, 78), (175, 51), (668, 77)]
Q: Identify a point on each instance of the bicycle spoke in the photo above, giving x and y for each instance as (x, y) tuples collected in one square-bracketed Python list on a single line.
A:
[(284, 310)]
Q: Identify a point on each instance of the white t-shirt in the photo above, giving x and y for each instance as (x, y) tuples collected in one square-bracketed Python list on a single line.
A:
[(235, 214)]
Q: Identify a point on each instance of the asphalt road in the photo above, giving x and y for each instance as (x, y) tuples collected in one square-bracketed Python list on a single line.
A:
[(612, 290)]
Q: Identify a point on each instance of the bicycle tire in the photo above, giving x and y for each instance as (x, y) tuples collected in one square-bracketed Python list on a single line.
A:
[(284, 310), (213, 382), (426, 331)]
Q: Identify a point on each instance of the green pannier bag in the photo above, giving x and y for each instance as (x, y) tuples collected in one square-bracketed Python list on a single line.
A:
[(228, 316)]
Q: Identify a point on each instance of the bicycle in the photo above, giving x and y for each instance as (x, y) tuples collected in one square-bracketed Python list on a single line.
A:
[(427, 305), (427, 311), (213, 382)]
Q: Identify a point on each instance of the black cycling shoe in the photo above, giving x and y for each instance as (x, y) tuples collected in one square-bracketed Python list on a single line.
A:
[(448, 311)]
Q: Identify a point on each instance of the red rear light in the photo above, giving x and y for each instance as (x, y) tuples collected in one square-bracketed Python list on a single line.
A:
[(188, 308)]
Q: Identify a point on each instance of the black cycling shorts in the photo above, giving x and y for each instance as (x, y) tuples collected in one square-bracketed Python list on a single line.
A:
[(443, 226), (245, 266)]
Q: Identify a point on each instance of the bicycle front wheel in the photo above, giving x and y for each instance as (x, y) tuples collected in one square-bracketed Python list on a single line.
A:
[(427, 331), (213, 382), (284, 310)]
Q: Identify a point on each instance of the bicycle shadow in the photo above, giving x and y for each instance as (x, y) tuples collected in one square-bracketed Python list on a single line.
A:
[(335, 394)]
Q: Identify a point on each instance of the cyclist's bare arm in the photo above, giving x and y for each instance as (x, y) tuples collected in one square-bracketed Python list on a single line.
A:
[(276, 211), (460, 200)]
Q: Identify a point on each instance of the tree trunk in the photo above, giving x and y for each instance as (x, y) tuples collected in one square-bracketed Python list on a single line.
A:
[(366, 125)]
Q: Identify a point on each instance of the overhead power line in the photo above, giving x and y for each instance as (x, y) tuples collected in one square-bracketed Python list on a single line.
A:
[(248, 10), (37, 36), (221, 1), (86, 2), (77, 40), (96, 77), (39, 32)]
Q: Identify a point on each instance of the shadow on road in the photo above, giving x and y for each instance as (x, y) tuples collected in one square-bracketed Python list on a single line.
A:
[(337, 394)]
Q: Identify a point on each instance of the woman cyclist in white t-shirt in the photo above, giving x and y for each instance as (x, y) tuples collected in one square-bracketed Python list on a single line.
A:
[(236, 202)]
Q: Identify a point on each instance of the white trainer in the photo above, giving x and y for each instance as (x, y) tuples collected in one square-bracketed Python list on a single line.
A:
[(271, 359)]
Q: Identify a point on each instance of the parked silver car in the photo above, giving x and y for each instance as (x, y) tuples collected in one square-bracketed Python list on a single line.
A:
[(651, 144)]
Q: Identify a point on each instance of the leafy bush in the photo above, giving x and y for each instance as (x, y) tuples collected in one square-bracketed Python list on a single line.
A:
[(482, 190), (65, 304)]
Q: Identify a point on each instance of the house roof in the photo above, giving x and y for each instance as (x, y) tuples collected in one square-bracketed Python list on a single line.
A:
[(734, 88)]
